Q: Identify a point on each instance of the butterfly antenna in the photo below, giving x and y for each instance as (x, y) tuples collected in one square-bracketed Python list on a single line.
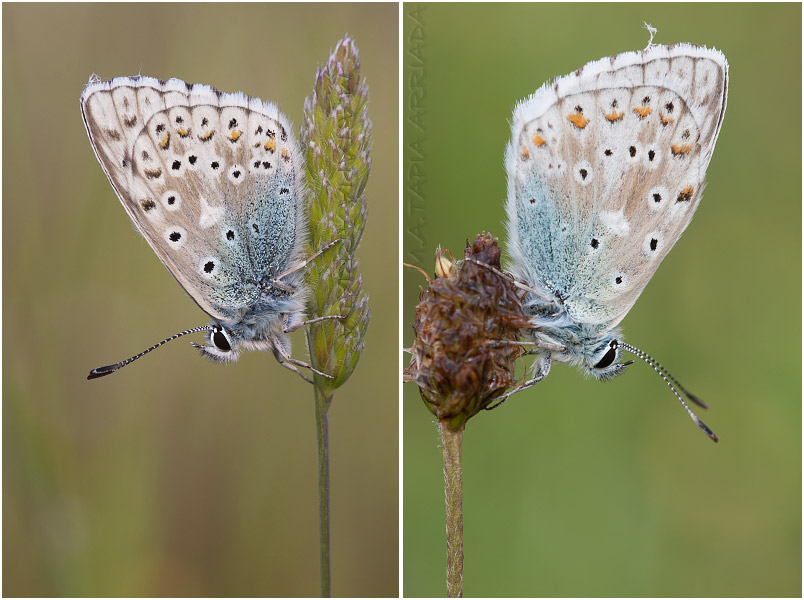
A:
[(655, 364), (669, 380), (109, 369)]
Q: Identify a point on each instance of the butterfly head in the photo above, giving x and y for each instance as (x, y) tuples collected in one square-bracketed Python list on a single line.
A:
[(265, 333), (602, 363), (223, 345)]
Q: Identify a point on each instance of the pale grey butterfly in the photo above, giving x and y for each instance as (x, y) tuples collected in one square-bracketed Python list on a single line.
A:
[(605, 169), (214, 182)]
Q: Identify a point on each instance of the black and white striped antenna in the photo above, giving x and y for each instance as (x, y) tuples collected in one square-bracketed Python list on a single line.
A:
[(670, 380), (109, 369)]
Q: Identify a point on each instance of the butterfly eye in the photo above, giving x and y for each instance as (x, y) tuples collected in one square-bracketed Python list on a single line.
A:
[(220, 340), (608, 357)]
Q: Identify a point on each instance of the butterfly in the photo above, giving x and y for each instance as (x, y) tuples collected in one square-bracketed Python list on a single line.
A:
[(215, 183), (605, 169)]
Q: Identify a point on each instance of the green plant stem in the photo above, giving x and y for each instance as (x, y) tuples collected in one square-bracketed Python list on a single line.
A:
[(451, 446), (322, 402)]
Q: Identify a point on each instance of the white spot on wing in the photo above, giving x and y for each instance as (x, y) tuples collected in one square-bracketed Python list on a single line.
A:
[(209, 214), (615, 221)]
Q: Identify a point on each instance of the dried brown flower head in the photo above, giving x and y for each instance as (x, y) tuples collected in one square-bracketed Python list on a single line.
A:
[(467, 325)]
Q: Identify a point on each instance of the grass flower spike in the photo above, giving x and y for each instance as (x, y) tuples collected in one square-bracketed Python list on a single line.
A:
[(337, 139)]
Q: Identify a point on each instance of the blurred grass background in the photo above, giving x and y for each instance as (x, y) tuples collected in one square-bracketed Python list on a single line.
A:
[(579, 488), (178, 477)]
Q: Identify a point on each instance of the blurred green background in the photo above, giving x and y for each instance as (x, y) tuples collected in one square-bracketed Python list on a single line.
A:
[(580, 488), (175, 476)]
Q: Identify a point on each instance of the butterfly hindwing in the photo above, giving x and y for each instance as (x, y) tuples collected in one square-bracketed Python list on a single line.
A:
[(211, 180), (605, 170)]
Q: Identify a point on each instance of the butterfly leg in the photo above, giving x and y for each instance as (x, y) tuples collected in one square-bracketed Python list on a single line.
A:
[(265, 286), (540, 345), (276, 281), (549, 346), (295, 370), (510, 278), (291, 363), (542, 365), (289, 328), (306, 261), (288, 289)]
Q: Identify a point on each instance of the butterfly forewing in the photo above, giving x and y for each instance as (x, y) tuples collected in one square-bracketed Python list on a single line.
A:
[(211, 180), (605, 169)]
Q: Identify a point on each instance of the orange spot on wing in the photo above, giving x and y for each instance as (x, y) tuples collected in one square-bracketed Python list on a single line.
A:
[(677, 149), (182, 132), (614, 116), (270, 145), (285, 154), (643, 111), (207, 135), (578, 120), (165, 141), (235, 135), (685, 195), (665, 119), (525, 153), (538, 140)]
